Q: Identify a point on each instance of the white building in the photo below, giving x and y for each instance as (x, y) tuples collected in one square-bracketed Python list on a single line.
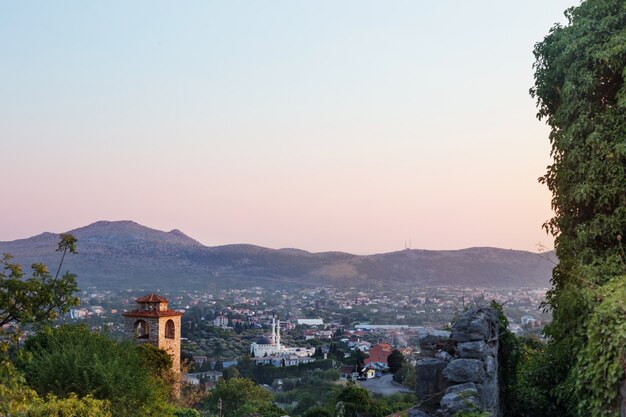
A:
[(220, 321), (311, 322), (267, 347)]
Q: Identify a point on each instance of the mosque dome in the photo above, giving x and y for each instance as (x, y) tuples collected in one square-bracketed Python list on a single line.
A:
[(264, 341)]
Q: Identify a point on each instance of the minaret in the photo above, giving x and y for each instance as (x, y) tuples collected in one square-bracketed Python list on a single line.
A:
[(273, 330), (278, 333)]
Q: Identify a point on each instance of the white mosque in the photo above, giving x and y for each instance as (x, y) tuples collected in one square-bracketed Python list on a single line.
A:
[(271, 351)]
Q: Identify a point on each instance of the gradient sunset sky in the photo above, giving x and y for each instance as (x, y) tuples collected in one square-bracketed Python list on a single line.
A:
[(322, 125)]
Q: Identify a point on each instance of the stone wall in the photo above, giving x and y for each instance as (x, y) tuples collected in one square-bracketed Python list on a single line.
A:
[(460, 372)]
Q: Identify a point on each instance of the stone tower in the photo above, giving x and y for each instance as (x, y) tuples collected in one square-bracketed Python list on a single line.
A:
[(153, 322)]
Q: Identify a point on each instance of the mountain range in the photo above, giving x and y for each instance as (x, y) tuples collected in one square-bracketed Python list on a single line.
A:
[(125, 254)]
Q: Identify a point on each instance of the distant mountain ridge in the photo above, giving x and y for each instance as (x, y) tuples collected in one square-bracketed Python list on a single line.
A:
[(125, 254)]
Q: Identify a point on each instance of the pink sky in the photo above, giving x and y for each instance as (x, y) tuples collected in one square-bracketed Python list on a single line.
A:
[(352, 127)]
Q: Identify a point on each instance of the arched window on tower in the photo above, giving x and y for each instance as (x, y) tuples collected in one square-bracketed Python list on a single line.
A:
[(170, 329), (141, 329)]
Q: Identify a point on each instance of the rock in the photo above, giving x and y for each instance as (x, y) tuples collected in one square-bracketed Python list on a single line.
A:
[(472, 350), (463, 397), (444, 356), (489, 395), (416, 412), (430, 343), (461, 387), (491, 366), (480, 328), (474, 324), (430, 381), (465, 370)]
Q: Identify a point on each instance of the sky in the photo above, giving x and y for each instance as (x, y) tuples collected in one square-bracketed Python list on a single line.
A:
[(357, 126)]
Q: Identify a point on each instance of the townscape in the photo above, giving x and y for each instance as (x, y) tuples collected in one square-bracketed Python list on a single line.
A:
[(300, 143)]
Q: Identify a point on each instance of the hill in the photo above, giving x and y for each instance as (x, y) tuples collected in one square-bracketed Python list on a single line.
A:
[(124, 254)]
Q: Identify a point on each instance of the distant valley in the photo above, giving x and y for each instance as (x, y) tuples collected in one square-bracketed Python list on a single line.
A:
[(125, 254)]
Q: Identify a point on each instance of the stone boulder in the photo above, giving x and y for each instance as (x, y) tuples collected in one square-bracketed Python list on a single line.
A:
[(416, 412), (474, 325), (431, 343), (429, 373), (444, 356), (462, 397), (465, 370), (473, 350)]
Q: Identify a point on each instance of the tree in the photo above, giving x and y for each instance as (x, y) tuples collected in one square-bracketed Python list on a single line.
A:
[(317, 411), (15, 396), (230, 373), (395, 360), (356, 402), (40, 298), (71, 359), (241, 397), (72, 406), (18, 399), (579, 87)]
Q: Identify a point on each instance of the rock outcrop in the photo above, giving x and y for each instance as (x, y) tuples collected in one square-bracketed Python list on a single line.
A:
[(460, 373)]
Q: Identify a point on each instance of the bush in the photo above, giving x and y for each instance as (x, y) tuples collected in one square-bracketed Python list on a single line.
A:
[(71, 359)]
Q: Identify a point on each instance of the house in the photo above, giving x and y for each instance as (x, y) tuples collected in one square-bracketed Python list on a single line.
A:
[(310, 322), (361, 345), (379, 353), (348, 372), (199, 360), (220, 321), (196, 377), (369, 372), (407, 351)]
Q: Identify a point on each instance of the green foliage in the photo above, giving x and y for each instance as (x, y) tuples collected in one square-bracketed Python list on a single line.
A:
[(600, 364), (230, 372), (579, 87), (241, 397), (508, 358), (71, 359), (18, 399), (406, 376), (395, 360), (532, 394), (72, 406), (312, 389), (156, 360), (186, 412), (40, 297), (396, 402), (472, 414), (15, 396), (266, 374), (356, 402), (318, 411)]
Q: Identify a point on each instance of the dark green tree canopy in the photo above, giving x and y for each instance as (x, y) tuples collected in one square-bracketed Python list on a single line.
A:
[(71, 359), (241, 397), (579, 86), (41, 297), (395, 360)]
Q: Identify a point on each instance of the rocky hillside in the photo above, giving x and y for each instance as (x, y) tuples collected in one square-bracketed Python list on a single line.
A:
[(124, 254)]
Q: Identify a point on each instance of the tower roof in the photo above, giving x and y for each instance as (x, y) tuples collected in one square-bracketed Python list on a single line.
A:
[(152, 298), (152, 313)]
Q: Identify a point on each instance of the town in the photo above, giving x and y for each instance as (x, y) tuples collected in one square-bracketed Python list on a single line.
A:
[(222, 327)]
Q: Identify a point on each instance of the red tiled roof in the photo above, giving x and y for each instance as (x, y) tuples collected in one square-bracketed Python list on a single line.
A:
[(151, 298), (153, 313)]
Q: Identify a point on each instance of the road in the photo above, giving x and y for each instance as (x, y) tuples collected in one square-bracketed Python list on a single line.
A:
[(383, 385)]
